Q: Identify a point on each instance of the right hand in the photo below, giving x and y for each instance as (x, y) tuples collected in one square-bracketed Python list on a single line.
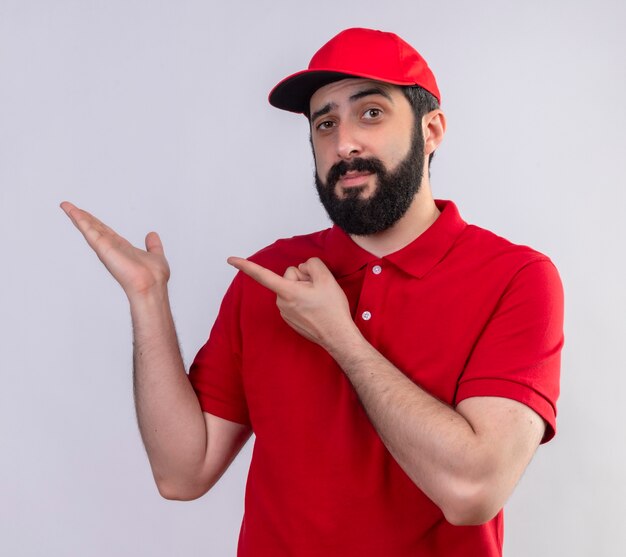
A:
[(139, 272)]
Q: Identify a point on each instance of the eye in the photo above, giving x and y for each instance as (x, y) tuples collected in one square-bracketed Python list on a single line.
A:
[(325, 125), (372, 113)]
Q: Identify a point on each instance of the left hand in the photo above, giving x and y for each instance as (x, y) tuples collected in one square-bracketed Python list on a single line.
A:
[(308, 297)]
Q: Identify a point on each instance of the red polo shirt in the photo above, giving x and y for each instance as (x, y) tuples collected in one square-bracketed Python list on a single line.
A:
[(460, 310)]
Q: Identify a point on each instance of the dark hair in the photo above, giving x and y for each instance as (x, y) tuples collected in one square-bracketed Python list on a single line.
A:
[(422, 102)]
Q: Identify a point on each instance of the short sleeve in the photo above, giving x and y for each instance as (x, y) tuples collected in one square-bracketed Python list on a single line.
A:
[(215, 373), (518, 354)]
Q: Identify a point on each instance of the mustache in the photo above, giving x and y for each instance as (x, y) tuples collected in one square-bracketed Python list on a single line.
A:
[(372, 164)]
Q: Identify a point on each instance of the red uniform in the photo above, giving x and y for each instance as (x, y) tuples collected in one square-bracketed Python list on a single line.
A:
[(460, 311)]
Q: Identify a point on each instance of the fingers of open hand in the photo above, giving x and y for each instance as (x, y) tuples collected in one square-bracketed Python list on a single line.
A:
[(90, 227), (102, 239)]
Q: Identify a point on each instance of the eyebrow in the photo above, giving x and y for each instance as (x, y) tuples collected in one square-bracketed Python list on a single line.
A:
[(371, 91), (358, 95), (324, 110)]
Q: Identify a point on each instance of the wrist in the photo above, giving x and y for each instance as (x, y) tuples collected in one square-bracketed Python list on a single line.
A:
[(346, 345), (153, 295), (150, 303)]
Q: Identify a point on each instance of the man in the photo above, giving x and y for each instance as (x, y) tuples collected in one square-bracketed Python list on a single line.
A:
[(398, 370)]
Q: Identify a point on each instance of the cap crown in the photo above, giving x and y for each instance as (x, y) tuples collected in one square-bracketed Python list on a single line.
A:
[(356, 52)]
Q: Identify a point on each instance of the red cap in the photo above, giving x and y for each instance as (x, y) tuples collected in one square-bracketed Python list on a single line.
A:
[(355, 52)]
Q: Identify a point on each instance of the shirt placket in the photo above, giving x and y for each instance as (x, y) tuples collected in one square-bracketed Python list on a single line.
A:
[(369, 313)]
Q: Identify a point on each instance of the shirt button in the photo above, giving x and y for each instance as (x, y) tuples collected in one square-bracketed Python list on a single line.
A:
[(366, 315), (377, 269)]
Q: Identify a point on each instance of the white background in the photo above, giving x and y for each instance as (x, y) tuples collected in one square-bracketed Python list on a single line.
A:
[(153, 115)]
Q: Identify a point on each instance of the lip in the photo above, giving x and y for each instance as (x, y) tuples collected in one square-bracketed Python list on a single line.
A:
[(353, 178)]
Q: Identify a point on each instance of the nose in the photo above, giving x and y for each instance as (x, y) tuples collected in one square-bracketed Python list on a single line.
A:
[(348, 145)]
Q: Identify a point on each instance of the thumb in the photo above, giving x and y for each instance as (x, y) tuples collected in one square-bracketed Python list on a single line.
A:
[(315, 268), (295, 274), (154, 244)]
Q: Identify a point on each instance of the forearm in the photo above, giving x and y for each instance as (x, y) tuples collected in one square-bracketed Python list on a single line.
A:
[(188, 449), (169, 415), (435, 445)]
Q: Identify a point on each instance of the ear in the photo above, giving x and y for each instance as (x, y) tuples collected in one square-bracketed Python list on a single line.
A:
[(433, 128)]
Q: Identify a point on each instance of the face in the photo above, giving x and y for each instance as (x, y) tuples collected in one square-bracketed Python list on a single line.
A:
[(369, 155)]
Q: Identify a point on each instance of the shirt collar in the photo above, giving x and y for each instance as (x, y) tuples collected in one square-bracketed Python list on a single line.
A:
[(344, 256)]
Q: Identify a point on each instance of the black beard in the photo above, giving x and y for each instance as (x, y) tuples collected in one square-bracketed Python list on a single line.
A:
[(390, 201)]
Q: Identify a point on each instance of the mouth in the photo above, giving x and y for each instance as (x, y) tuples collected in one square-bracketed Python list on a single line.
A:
[(353, 178)]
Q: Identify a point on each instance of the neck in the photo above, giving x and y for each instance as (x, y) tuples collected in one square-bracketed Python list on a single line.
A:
[(421, 214)]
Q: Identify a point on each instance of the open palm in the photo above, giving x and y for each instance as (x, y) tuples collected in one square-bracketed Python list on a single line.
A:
[(138, 271)]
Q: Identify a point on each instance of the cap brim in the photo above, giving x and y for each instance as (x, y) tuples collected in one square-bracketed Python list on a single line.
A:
[(294, 92)]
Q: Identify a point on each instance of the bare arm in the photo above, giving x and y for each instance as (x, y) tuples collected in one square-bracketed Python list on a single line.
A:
[(188, 449), (468, 459)]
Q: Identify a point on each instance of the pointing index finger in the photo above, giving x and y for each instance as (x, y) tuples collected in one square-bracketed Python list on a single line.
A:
[(263, 276)]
